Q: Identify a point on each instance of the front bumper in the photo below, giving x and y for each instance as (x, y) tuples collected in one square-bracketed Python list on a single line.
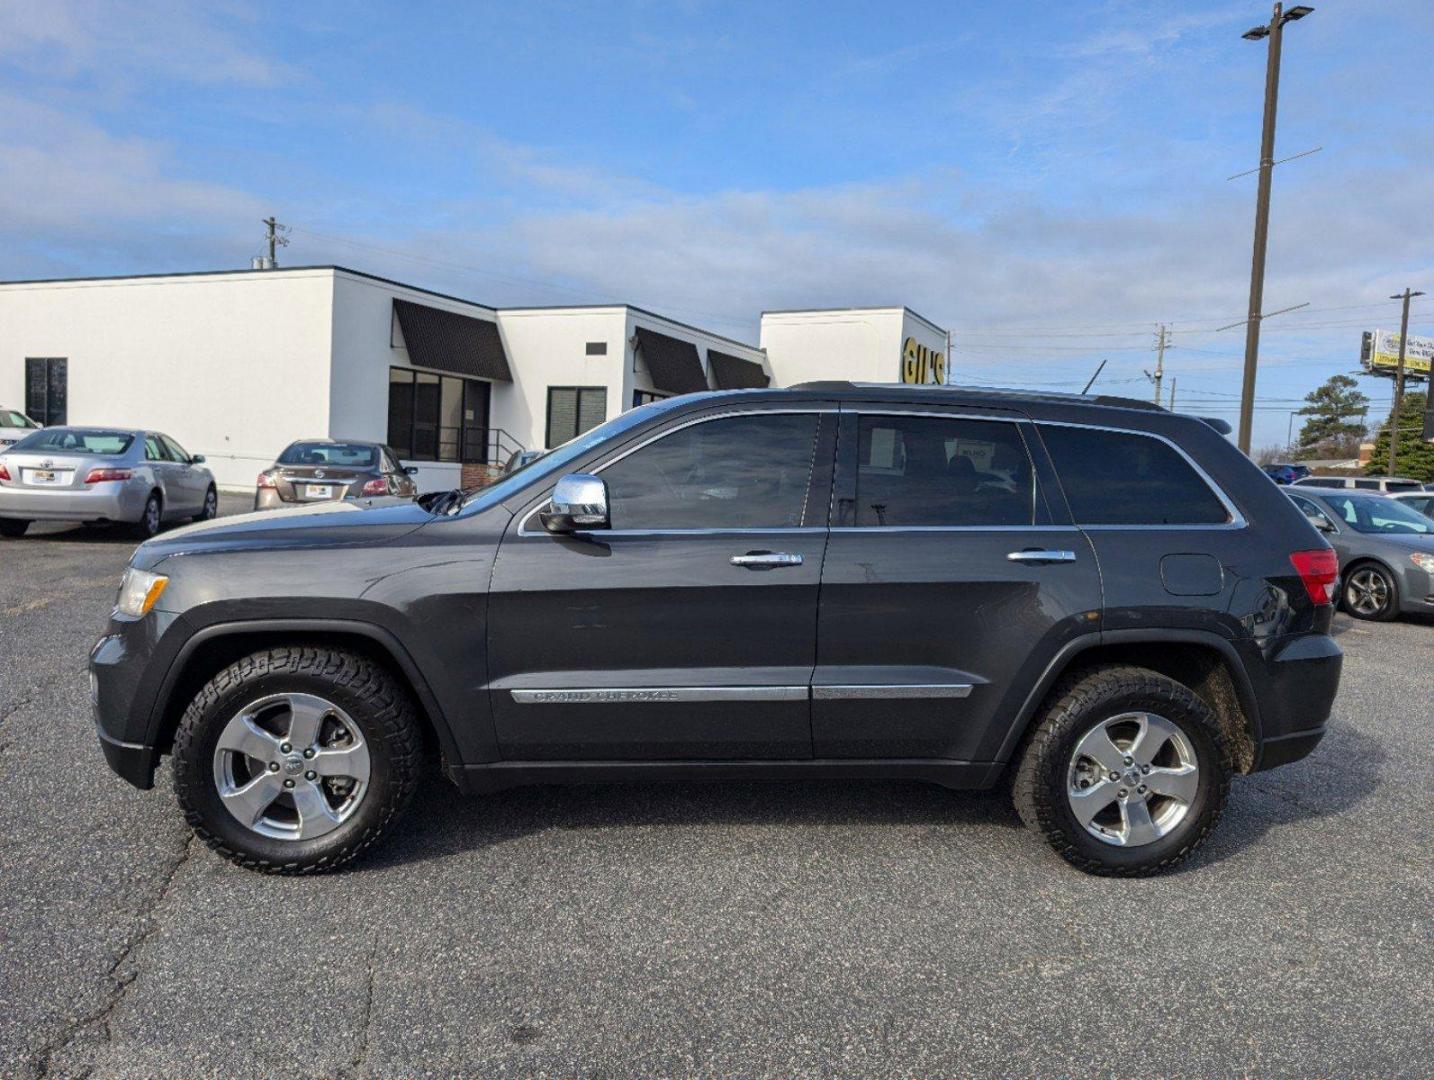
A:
[(118, 500), (124, 683)]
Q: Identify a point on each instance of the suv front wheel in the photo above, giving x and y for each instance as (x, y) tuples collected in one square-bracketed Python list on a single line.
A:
[(294, 760), (1126, 774)]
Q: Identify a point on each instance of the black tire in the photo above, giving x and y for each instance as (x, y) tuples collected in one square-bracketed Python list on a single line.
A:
[(1078, 704), (210, 510), (372, 700), (1348, 592), (151, 518), (13, 528)]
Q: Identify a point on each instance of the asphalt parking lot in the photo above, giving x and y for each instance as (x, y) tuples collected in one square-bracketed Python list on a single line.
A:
[(795, 929)]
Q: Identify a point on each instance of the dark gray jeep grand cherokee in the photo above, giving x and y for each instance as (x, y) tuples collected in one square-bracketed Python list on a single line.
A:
[(1100, 601)]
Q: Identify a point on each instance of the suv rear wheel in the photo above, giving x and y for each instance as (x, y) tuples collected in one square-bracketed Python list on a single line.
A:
[(295, 760), (1126, 774)]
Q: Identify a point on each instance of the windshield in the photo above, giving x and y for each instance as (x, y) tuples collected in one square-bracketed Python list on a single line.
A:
[(1371, 514), (555, 460), (74, 441), (353, 455)]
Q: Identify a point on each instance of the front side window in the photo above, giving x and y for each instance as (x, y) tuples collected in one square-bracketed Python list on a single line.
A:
[(1123, 478), (927, 470), (1313, 512), (735, 472), (174, 450), (573, 410)]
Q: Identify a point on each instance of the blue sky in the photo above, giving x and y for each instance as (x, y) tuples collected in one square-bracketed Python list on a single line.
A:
[(1046, 179)]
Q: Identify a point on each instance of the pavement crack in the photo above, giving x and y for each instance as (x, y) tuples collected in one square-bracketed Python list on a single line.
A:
[(360, 1058), (120, 975)]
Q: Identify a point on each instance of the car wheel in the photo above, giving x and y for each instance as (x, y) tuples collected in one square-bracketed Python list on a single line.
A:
[(1370, 592), (296, 760), (13, 528), (151, 519), (1126, 774), (211, 505)]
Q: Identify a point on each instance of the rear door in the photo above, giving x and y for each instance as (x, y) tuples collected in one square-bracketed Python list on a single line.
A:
[(949, 584), (688, 629)]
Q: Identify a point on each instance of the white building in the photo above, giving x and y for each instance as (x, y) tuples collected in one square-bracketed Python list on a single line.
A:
[(235, 365), (881, 345)]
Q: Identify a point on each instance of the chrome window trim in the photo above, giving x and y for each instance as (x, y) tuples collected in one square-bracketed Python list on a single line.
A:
[(954, 528), (529, 514), (1236, 521), (603, 695), (867, 691)]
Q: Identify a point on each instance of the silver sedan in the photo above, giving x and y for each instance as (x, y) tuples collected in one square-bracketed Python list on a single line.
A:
[(102, 475)]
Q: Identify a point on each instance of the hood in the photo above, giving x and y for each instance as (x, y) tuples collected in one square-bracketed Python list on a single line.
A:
[(364, 521)]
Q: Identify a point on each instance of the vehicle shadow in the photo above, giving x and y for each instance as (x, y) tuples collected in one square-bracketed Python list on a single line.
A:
[(440, 825), (83, 534)]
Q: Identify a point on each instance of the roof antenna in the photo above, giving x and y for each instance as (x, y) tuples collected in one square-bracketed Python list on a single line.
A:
[(1093, 378)]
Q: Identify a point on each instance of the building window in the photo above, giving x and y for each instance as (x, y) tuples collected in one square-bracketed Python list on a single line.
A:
[(573, 410), (646, 397), (47, 389), (437, 417), (597, 348)]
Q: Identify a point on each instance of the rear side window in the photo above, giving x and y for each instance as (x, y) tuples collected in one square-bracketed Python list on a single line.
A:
[(929, 470), (737, 472), (1367, 485), (1120, 478)]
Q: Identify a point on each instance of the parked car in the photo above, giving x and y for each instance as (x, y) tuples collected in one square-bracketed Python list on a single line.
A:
[(14, 426), (1381, 484), (828, 581), (1286, 474), (101, 476), (1385, 549), (1423, 501), (520, 459), (326, 470)]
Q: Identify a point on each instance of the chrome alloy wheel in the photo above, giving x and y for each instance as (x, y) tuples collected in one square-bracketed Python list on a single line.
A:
[(1132, 779), (1366, 592), (291, 766)]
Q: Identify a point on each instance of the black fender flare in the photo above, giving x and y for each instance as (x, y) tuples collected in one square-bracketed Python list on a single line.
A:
[(381, 636), (1145, 635)]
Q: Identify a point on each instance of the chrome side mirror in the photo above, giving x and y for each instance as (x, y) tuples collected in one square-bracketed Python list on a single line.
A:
[(579, 502)]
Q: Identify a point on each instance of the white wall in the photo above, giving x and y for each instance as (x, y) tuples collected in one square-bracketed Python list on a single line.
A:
[(233, 366)]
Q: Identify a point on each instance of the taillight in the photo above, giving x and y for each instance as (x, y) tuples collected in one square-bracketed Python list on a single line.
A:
[(105, 476), (4, 472), (266, 481), (1319, 570), (376, 487)]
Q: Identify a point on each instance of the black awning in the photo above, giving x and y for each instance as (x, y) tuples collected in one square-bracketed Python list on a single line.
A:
[(673, 364), (734, 373), (448, 341)]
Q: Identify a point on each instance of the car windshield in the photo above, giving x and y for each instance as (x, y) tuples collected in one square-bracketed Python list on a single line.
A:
[(556, 459), (350, 455), (1373, 514), (74, 441)]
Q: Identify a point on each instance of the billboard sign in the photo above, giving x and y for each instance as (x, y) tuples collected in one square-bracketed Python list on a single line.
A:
[(921, 365), (1379, 353)]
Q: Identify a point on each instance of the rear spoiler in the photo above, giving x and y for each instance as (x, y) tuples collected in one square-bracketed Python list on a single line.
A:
[(1222, 426)]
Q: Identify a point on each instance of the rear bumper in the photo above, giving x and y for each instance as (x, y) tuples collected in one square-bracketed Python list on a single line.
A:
[(1302, 679), (116, 501)]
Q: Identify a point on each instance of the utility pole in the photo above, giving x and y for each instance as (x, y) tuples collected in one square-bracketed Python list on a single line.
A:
[(1274, 31), (1406, 295), (1172, 393), (276, 239), (1162, 342)]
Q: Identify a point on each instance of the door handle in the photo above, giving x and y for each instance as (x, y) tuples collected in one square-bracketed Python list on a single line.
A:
[(759, 560), (1034, 555)]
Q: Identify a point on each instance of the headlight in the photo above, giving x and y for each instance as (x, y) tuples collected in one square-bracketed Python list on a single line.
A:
[(138, 592), (1423, 560)]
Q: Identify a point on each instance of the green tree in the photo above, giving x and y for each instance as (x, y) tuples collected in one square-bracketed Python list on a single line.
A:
[(1336, 412), (1416, 457)]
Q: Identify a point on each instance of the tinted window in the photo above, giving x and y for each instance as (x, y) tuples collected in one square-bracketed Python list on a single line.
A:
[(1367, 485), (352, 455), (1401, 485), (573, 410), (1116, 478), (739, 472), (925, 470), (69, 441)]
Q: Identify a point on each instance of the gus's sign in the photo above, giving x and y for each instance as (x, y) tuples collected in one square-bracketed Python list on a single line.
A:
[(920, 364)]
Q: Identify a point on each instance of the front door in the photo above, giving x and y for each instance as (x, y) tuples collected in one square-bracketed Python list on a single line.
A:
[(686, 630), (949, 584)]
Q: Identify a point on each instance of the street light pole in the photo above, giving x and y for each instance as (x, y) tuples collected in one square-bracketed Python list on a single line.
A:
[(1275, 32), (1399, 378)]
